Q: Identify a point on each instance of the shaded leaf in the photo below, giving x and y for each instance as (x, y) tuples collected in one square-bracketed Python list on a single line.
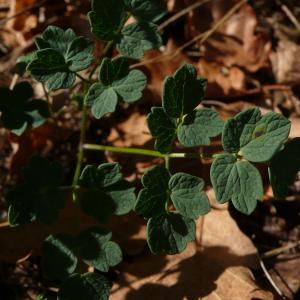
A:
[(162, 128), (170, 233), (284, 168), (58, 258)]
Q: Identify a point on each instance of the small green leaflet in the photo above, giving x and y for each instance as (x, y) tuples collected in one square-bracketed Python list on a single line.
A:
[(152, 198), (107, 18), (85, 286), (39, 197), (198, 127), (284, 167), (170, 233), (186, 192), (146, 10), (238, 181), (105, 193), (162, 128), (22, 63), (116, 82), (96, 249), (258, 138), (188, 196), (58, 260), (136, 38), (183, 92), (61, 54), (19, 111)]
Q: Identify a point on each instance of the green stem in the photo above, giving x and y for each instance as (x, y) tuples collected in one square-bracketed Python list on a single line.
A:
[(145, 152), (80, 154), (167, 161)]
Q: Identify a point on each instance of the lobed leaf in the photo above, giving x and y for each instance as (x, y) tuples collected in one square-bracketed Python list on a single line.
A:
[(58, 258), (152, 198), (162, 128), (238, 181), (198, 127), (188, 196), (258, 138), (170, 233), (85, 286), (136, 38), (19, 112), (284, 167)]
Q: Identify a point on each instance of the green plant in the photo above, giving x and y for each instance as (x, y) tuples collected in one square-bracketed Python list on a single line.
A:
[(170, 202)]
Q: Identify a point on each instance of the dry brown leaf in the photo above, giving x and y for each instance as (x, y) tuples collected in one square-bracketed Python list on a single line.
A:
[(219, 271)]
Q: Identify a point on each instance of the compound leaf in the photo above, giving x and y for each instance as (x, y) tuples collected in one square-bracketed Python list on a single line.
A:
[(284, 168), (96, 249), (257, 137), (198, 127), (136, 38), (152, 198), (170, 233), (238, 181), (162, 128), (19, 111), (183, 92), (85, 286), (58, 258), (188, 196), (107, 18)]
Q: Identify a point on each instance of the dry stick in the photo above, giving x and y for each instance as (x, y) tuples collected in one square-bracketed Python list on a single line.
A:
[(280, 250), (23, 11), (291, 16), (202, 37), (181, 13)]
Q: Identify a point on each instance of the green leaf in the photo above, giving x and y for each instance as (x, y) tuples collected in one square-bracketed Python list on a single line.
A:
[(96, 249), (152, 198), (198, 127), (238, 181), (116, 82), (50, 67), (170, 233), (284, 167), (60, 54), (19, 111), (146, 10), (86, 286), (107, 18), (22, 63), (105, 192), (58, 258), (162, 128), (39, 197), (188, 196), (136, 38), (258, 138), (183, 92)]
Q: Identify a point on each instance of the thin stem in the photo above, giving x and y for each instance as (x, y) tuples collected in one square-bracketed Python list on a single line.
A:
[(80, 155), (167, 161), (145, 152)]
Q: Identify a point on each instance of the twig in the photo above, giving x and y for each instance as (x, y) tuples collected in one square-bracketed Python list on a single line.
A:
[(14, 81), (181, 13), (202, 37), (279, 250), (291, 16), (267, 274), (23, 11)]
